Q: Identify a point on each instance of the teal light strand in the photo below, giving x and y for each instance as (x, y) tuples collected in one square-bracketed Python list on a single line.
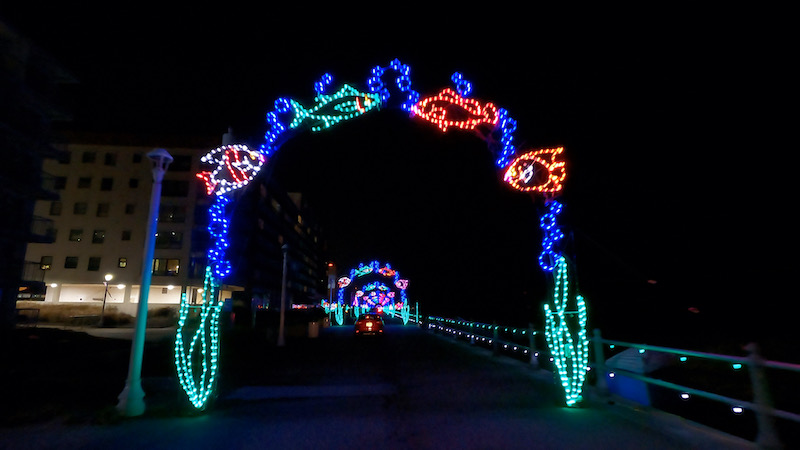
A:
[(205, 340), (570, 357)]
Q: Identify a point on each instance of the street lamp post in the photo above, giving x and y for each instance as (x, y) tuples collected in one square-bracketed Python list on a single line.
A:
[(131, 399), (282, 319), (108, 278)]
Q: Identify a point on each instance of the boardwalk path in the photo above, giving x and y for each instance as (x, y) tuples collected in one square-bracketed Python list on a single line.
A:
[(409, 389)]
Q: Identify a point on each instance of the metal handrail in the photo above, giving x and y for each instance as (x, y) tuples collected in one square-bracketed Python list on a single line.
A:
[(762, 404), (714, 356)]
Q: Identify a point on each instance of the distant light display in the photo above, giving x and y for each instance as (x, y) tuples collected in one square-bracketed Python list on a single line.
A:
[(376, 293), (539, 171), (373, 295)]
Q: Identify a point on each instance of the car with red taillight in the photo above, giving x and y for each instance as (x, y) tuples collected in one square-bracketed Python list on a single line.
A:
[(369, 324)]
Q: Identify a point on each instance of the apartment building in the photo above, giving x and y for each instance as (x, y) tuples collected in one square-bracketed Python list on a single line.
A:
[(100, 217), (266, 219), (99, 224), (29, 83)]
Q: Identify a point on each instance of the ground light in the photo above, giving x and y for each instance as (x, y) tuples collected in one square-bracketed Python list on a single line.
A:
[(532, 171)]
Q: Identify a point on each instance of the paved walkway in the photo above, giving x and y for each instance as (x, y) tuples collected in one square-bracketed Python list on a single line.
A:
[(413, 390)]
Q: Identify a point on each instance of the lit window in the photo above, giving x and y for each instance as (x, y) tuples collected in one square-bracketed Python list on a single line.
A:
[(122, 263), (166, 267), (46, 262)]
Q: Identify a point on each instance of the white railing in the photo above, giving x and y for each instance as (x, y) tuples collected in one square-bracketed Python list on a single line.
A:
[(761, 405), (517, 341), (522, 341)]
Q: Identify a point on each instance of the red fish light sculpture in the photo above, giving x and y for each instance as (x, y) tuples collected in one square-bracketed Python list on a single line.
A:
[(537, 170), (449, 109)]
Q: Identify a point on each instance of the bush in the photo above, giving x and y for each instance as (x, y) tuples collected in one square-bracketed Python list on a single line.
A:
[(65, 313)]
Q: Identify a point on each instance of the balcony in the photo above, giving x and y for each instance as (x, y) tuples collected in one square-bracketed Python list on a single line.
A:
[(48, 189), (31, 283), (42, 231)]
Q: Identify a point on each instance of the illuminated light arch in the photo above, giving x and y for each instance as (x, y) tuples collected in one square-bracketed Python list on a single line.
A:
[(376, 270), (533, 172), (374, 295)]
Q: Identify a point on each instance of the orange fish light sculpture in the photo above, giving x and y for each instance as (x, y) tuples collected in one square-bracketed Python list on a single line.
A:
[(449, 109), (538, 170)]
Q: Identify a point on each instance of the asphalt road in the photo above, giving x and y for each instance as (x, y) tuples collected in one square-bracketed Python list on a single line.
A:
[(409, 389)]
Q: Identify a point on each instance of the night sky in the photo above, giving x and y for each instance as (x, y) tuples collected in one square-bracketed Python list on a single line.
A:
[(666, 206)]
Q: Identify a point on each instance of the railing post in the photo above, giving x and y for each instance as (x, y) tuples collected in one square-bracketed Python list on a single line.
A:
[(532, 345), (495, 337), (599, 363), (767, 436)]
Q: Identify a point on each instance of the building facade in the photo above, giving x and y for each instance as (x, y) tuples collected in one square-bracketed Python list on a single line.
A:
[(268, 220), (99, 223), (29, 82)]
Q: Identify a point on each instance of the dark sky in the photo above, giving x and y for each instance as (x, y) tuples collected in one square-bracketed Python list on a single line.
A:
[(652, 112)]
